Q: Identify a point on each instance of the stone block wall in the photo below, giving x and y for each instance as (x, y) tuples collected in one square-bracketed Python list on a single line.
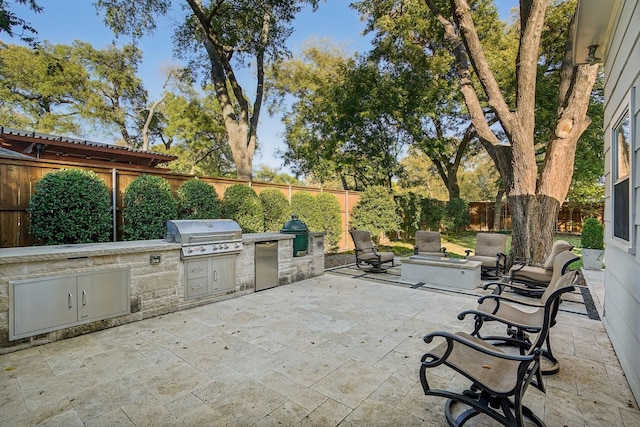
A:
[(154, 288)]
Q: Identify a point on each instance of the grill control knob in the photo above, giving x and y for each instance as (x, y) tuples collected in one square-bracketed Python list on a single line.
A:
[(203, 249), (189, 250)]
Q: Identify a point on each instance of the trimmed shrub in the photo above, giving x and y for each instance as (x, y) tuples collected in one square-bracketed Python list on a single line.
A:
[(592, 234), (71, 206), (330, 216), (431, 213), (375, 212), (198, 200), (276, 209), (457, 215), (410, 210), (303, 204), (241, 204), (148, 204)]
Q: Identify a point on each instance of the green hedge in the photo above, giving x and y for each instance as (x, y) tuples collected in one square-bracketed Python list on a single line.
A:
[(276, 209), (148, 204), (375, 212), (71, 206), (592, 234), (198, 200), (330, 216), (241, 204)]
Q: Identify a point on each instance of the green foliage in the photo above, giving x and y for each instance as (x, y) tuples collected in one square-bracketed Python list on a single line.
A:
[(330, 220), (276, 209), (195, 126), (410, 210), (198, 200), (9, 21), (457, 215), (375, 212), (71, 86), (592, 234), (241, 204), (71, 206), (432, 213), (304, 205), (148, 204)]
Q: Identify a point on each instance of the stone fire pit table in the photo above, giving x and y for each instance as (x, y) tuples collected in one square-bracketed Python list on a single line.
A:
[(448, 272)]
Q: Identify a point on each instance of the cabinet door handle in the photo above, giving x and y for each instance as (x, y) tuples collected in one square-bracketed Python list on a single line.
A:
[(215, 275), (84, 297), (69, 303)]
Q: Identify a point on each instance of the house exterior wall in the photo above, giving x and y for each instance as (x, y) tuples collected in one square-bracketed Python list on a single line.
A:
[(622, 274)]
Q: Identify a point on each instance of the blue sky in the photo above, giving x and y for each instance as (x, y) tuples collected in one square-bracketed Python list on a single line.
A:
[(64, 21)]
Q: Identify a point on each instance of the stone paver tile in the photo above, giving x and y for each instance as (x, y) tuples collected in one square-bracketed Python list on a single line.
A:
[(115, 418), (98, 400), (57, 412), (330, 413), (288, 414), (116, 363), (378, 414), (303, 396), (351, 383), (148, 412), (170, 381), (11, 401), (243, 404), (307, 369), (630, 417)]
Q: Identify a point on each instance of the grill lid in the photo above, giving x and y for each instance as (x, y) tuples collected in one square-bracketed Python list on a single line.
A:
[(192, 231)]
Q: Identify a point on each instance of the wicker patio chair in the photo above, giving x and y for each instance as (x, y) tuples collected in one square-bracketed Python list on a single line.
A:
[(367, 253), (429, 243), (490, 251), (498, 379)]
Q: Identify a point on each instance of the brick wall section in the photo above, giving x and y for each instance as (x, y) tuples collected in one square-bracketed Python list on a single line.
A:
[(153, 289)]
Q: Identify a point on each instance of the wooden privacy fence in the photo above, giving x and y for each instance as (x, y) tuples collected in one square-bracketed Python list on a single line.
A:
[(482, 218), (18, 178)]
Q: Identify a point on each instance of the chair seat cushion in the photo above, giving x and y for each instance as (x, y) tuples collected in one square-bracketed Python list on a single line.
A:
[(371, 257), (530, 273), (493, 373), (485, 260)]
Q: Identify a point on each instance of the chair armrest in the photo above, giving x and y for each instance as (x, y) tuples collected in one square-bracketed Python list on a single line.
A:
[(468, 251), (444, 251), (490, 316), (498, 298), (430, 359), (415, 250)]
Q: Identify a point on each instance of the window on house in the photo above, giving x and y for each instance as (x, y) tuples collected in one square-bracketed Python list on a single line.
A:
[(621, 171)]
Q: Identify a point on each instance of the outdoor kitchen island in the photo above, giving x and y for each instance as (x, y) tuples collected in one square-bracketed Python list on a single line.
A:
[(48, 293)]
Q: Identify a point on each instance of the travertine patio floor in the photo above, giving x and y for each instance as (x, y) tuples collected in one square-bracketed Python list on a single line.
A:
[(333, 350)]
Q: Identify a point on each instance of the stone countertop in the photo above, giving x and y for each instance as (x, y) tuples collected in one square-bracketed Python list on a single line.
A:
[(52, 252)]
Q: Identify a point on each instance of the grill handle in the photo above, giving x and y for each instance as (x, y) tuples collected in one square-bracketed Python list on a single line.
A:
[(210, 237)]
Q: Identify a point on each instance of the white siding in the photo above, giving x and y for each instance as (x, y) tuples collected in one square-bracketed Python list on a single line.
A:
[(622, 274)]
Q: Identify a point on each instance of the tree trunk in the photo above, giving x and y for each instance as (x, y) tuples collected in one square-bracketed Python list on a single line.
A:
[(497, 210)]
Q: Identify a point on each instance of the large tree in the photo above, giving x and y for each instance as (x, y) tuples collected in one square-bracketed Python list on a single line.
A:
[(68, 87), (14, 25), (534, 193), (232, 33)]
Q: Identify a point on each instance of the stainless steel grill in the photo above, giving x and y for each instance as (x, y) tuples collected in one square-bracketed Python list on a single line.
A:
[(205, 236)]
